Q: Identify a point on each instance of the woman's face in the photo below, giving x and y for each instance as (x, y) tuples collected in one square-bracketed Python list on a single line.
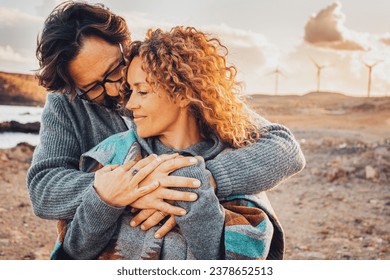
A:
[(154, 113)]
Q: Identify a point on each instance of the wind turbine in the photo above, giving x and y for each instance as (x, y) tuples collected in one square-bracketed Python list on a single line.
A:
[(370, 66), (277, 72), (319, 69)]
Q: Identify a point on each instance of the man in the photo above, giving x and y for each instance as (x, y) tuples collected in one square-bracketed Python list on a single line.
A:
[(80, 52)]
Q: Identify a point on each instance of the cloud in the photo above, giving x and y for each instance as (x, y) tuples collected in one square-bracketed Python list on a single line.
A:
[(385, 40), (326, 29), (8, 54), (16, 60), (46, 6), (344, 71), (18, 33), (12, 17), (248, 51)]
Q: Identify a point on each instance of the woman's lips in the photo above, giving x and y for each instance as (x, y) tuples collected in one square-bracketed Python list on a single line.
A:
[(138, 118)]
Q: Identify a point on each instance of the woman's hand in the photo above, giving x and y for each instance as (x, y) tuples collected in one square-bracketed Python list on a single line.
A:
[(119, 185)]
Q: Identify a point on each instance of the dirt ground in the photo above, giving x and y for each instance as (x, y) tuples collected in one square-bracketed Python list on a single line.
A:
[(338, 207)]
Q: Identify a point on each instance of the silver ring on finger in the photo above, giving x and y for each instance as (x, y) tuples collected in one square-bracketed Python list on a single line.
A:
[(133, 171)]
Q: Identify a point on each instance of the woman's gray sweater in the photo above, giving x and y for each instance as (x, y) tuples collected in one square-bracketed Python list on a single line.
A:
[(198, 234), (71, 128)]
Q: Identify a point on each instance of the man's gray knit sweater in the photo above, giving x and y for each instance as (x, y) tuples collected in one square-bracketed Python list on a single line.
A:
[(70, 128)]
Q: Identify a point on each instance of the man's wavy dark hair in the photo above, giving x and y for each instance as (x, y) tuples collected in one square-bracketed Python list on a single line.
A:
[(62, 38)]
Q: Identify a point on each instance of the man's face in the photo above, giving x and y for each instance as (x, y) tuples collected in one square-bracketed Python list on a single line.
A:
[(96, 70)]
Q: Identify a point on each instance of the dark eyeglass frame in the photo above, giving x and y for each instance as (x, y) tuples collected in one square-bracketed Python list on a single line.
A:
[(84, 94)]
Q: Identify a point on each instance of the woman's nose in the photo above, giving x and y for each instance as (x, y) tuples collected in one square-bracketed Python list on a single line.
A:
[(132, 103)]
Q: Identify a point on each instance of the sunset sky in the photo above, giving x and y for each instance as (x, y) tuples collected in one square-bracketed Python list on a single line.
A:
[(263, 35)]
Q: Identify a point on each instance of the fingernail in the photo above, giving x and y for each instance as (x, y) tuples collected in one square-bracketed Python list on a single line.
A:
[(132, 223), (158, 159), (193, 160), (196, 183), (142, 227), (193, 196), (183, 212), (157, 235)]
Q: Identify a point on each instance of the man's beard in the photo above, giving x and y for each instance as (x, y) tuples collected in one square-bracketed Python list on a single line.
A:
[(111, 102)]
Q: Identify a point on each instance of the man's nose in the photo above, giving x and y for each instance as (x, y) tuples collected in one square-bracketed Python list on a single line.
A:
[(112, 89)]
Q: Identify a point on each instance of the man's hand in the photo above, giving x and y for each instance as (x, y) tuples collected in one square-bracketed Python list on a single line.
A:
[(158, 204), (157, 198), (150, 218)]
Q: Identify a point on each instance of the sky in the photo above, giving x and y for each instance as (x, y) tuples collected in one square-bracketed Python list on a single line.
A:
[(277, 46)]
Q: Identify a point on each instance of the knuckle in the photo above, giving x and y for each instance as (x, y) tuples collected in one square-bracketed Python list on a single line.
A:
[(169, 164), (121, 169), (164, 208), (143, 191), (164, 157), (156, 218), (170, 223), (137, 219)]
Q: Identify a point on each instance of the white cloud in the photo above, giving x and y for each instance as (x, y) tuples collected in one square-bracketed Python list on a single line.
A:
[(12, 17), (8, 54), (250, 52), (46, 6)]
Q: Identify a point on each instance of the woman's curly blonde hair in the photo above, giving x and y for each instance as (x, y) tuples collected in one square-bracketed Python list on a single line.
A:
[(185, 62)]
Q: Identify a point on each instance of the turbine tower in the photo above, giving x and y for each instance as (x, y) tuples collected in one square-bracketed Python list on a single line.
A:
[(276, 72), (319, 69), (370, 66)]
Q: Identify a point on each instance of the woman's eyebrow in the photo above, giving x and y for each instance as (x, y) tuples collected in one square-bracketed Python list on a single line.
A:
[(136, 84)]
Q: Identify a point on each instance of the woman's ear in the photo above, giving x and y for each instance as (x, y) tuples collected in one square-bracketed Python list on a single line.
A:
[(182, 101)]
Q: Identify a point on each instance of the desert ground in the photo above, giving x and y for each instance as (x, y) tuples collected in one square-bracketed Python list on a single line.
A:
[(338, 207)]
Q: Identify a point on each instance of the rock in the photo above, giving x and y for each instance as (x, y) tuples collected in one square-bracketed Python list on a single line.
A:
[(382, 151), (315, 171), (382, 177), (312, 255), (14, 126), (336, 174), (4, 157), (370, 172)]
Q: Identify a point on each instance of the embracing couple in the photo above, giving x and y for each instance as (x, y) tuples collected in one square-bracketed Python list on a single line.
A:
[(146, 149)]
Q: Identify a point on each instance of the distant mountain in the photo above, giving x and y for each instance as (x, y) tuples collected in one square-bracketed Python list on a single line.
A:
[(20, 89)]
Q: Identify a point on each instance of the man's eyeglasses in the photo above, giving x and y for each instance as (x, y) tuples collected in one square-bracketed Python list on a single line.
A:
[(114, 76)]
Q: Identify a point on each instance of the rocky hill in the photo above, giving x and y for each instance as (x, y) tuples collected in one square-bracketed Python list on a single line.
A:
[(20, 89)]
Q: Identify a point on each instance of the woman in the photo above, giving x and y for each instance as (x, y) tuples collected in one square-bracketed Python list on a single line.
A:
[(183, 100)]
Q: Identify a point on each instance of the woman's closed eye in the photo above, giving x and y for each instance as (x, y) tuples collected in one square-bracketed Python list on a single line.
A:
[(142, 92)]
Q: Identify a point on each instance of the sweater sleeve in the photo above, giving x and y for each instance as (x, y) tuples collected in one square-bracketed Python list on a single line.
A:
[(202, 226), (275, 157), (92, 228), (55, 185)]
